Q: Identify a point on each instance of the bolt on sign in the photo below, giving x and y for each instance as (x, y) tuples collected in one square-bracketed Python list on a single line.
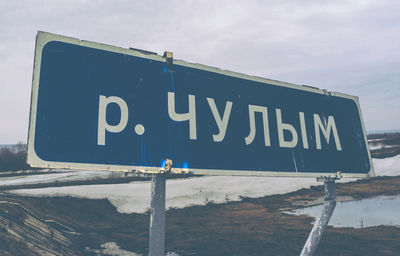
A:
[(101, 107)]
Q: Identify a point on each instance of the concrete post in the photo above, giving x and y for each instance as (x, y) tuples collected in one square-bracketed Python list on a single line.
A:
[(157, 216), (320, 224)]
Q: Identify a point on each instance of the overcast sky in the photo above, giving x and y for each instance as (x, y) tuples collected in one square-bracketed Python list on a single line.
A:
[(345, 46)]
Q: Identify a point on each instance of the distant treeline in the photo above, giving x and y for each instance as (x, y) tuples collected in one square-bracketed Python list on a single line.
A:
[(389, 138), (12, 159)]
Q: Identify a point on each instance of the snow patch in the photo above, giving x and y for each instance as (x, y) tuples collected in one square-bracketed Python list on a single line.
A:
[(375, 140), (134, 197), (111, 248), (380, 146), (60, 176), (387, 166)]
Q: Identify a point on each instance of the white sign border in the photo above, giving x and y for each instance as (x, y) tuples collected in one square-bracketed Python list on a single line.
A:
[(35, 161)]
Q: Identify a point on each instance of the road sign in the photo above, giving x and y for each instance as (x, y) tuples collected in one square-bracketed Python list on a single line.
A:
[(96, 106)]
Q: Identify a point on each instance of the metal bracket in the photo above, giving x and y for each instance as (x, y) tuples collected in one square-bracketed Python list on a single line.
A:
[(169, 57), (167, 166), (326, 92), (333, 178)]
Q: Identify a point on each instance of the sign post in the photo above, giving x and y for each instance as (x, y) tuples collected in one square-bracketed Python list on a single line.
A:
[(322, 222), (157, 210), (157, 215)]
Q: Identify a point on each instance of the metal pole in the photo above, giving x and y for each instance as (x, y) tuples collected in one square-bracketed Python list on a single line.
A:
[(321, 223), (157, 215)]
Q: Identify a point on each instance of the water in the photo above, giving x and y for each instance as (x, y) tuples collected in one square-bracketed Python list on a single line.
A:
[(382, 210)]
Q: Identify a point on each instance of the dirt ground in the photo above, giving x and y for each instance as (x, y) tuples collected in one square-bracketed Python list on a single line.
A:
[(253, 226)]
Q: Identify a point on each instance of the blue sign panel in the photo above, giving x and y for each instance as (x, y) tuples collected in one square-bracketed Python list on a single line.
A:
[(102, 107)]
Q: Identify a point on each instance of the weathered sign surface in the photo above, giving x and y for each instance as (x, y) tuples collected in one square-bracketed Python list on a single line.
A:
[(101, 107)]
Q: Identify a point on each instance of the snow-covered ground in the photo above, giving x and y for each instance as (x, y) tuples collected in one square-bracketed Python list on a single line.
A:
[(387, 166), (59, 176), (135, 196), (380, 146)]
